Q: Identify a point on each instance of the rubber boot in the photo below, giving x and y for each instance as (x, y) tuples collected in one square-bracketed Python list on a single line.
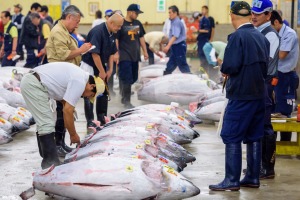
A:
[(60, 131), (48, 147), (268, 157), (101, 108), (251, 178), (65, 147), (39, 144), (233, 167), (88, 111), (110, 84), (120, 87), (285, 136), (126, 95)]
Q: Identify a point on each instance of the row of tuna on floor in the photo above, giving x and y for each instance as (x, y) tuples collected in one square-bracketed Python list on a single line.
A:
[(135, 156)]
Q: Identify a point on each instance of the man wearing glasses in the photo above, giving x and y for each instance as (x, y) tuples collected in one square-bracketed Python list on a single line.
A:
[(129, 40)]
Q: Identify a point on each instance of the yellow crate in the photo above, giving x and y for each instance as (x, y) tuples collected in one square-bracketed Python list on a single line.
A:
[(288, 148)]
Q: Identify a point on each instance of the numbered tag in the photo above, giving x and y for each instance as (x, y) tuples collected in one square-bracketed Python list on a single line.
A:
[(2, 120), (148, 142), (168, 108), (162, 159), (139, 146), (21, 114), (16, 119), (170, 170), (149, 126), (129, 168), (180, 117)]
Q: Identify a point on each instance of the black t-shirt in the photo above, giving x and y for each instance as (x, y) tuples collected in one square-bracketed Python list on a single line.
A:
[(212, 24), (129, 40), (105, 43)]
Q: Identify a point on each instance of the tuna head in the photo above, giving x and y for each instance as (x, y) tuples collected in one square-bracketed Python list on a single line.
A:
[(176, 186)]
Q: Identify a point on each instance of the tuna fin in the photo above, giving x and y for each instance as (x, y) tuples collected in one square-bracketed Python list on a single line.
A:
[(46, 171), (27, 194), (151, 198)]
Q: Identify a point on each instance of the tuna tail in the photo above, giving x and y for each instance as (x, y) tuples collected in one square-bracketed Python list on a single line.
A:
[(27, 194), (196, 134)]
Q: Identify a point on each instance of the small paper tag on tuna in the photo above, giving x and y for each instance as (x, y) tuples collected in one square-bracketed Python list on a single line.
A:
[(2, 120), (16, 119), (180, 117), (149, 126), (129, 168), (170, 170), (168, 108), (139, 146), (148, 142), (162, 159)]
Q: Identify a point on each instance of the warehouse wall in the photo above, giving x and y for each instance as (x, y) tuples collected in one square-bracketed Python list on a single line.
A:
[(219, 9)]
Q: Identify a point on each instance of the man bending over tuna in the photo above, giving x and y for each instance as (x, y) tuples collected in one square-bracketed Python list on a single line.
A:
[(47, 82)]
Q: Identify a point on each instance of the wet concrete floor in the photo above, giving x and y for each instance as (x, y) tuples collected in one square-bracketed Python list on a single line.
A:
[(20, 158)]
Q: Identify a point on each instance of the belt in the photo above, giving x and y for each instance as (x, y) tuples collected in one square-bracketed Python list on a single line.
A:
[(37, 76)]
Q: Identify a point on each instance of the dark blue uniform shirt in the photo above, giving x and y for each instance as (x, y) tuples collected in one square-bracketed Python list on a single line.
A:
[(246, 62), (105, 46)]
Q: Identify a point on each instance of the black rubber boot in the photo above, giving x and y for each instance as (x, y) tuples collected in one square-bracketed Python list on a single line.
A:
[(65, 147), (88, 111), (126, 96), (48, 147), (120, 87), (101, 108), (233, 167), (285, 136), (110, 84), (39, 145), (268, 156), (251, 178)]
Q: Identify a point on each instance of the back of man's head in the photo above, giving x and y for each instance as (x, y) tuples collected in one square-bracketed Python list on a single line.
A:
[(275, 16), (34, 16), (6, 14), (35, 6), (240, 8), (71, 10), (44, 9)]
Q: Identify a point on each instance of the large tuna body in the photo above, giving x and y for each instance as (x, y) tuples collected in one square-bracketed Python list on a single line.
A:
[(181, 88), (114, 178)]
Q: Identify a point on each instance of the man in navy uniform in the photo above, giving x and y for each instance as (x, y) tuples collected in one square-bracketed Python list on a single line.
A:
[(245, 64)]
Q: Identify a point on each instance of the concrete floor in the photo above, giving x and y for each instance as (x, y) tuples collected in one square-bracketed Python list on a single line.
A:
[(20, 158)]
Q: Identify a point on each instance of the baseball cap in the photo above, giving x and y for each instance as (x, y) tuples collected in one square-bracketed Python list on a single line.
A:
[(237, 6), (261, 6), (108, 12), (196, 14), (134, 7), (100, 87), (18, 6)]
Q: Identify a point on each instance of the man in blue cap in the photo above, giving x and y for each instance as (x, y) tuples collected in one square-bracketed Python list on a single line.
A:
[(261, 14), (245, 64)]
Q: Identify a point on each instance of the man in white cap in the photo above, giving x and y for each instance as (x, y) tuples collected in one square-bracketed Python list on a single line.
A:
[(47, 82)]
